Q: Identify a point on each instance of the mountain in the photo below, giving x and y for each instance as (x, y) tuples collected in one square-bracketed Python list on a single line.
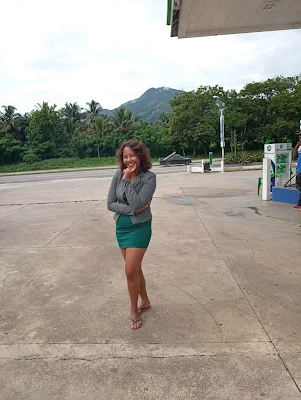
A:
[(151, 104)]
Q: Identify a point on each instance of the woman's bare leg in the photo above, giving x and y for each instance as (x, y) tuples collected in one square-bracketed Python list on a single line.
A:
[(133, 262), (145, 303), (123, 252)]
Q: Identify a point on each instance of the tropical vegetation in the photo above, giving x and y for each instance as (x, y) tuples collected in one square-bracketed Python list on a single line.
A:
[(260, 111)]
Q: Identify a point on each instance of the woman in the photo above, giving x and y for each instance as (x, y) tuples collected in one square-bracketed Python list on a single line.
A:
[(129, 197)]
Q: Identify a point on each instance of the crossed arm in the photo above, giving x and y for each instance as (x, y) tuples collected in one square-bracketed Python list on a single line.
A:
[(140, 199), (138, 202)]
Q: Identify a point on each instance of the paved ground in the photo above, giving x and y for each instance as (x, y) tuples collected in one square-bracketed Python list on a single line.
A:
[(93, 173), (224, 276)]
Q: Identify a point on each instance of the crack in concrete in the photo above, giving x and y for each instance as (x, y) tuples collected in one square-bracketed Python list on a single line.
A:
[(106, 342), (251, 262), (17, 209), (47, 202), (288, 371), (154, 357)]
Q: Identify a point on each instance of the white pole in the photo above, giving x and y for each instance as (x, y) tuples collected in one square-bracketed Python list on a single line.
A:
[(223, 160), (266, 179), (222, 137)]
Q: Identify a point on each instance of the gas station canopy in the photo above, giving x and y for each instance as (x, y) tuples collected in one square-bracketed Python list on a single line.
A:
[(195, 18)]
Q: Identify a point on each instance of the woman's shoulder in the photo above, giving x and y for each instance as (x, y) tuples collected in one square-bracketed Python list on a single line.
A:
[(118, 173), (149, 174)]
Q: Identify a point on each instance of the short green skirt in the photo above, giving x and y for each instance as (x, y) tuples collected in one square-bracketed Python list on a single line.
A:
[(131, 235)]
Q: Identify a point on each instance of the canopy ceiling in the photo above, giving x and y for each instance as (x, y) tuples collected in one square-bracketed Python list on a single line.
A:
[(195, 18)]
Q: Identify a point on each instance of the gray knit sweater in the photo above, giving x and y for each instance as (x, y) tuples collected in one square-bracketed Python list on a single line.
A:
[(125, 198)]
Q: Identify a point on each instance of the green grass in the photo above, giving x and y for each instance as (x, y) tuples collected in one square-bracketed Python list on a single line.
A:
[(58, 163), (62, 163)]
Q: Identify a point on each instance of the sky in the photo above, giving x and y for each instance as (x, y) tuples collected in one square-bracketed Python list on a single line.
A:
[(114, 50)]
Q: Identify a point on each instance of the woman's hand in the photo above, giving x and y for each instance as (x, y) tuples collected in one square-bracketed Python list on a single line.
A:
[(127, 173), (147, 205)]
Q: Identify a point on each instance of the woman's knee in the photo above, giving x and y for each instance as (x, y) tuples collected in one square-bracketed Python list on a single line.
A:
[(131, 272)]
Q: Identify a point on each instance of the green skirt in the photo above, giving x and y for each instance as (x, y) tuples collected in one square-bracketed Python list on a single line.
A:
[(131, 235)]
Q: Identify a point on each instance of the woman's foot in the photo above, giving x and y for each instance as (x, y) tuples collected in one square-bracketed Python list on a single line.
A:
[(144, 306), (136, 322)]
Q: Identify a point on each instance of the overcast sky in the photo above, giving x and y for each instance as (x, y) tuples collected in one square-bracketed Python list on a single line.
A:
[(114, 50)]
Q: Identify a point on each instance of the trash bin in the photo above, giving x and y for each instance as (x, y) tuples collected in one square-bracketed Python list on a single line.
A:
[(207, 167)]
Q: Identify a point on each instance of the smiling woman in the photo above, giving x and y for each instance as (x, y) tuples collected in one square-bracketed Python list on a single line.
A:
[(129, 197)]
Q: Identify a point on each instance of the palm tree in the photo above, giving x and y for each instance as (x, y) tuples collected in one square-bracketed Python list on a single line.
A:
[(9, 119), (22, 122), (93, 111), (72, 111), (44, 105), (124, 121), (72, 119), (100, 127), (40, 106)]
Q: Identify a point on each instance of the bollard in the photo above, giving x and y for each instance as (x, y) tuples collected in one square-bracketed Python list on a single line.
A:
[(222, 166), (266, 179), (202, 167)]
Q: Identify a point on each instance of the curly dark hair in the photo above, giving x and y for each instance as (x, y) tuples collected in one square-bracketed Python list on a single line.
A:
[(140, 149)]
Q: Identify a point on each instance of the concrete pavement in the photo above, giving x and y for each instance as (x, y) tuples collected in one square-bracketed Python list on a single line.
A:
[(223, 273), (82, 174)]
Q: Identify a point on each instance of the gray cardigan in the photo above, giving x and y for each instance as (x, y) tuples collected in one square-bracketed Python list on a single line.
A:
[(125, 198)]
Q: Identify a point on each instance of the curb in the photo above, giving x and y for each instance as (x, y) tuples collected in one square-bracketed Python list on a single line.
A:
[(79, 169), (244, 168), (99, 168)]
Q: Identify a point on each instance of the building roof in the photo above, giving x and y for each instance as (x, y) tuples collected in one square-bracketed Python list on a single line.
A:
[(195, 18)]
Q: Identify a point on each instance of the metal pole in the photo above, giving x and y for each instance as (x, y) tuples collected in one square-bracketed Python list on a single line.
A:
[(222, 137)]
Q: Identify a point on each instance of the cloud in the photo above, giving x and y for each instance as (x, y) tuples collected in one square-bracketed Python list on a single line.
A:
[(112, 51)]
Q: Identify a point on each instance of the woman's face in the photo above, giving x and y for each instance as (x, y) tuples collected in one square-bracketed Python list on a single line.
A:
[(130, 159)]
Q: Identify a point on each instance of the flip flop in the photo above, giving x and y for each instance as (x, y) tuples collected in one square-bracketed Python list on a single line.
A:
[(135, 321), (143, 309)]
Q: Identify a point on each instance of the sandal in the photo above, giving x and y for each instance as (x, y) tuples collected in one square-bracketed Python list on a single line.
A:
[(134, 322)]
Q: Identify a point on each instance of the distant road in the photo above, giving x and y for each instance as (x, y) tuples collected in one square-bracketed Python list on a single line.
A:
[(104, 173)]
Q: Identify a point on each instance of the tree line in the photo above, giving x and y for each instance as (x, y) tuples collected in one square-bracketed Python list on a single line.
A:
[(260, 111)]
